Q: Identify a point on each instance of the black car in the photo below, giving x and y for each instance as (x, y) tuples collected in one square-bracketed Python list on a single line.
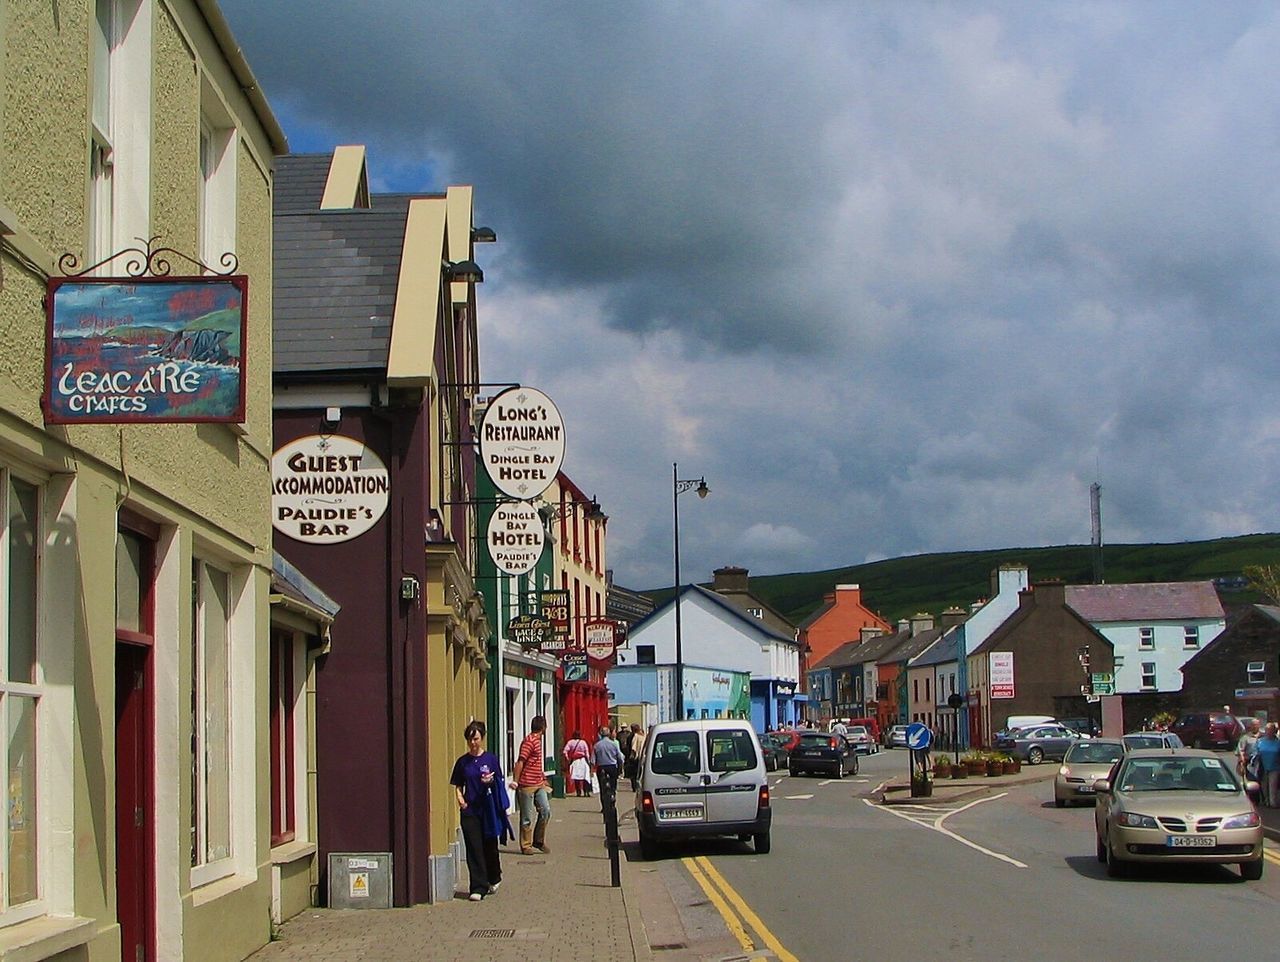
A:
[(823, 753), (774, 749)]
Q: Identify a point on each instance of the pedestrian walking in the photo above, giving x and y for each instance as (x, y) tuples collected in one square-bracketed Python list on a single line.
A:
[(576, 753), (634, 756), (533, 792), (609, 760), (1268, 752), (483, 802), (1246, 756)]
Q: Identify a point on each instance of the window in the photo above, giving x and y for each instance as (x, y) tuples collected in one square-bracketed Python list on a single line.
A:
[(1146, 638), (100, 147), (21, 690), (675, 753), (210, 715), (1257, 672), (644, 654), (1190, 636), (1118, 661), (915, 689), (216, 189), (1148, 674), (281, 734), (926, 689)]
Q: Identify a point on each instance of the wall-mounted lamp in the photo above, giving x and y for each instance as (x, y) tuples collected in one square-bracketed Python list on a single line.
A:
[(467, 272), (409, 588), (332, 417), (483, 235)]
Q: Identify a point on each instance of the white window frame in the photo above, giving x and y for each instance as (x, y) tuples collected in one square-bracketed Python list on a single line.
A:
[(1146, 638), (1149, 671), (36, 689), (241, 724), (1190, 636), (216, 170), (101, 160), (1256, 672)]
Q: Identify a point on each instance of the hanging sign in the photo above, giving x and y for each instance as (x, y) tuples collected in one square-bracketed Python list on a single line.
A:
[(575, 665), (522, 442), (530, 632), (554, 605), (515, 537), (145, 349), (601, 641), (326, 489)]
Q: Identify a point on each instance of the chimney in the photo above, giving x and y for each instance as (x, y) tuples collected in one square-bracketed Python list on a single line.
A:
[(903, 626), (953, 616), (1050, 593), (920, 622), (850, 593), (866, 634), (1011, 578), (730, 580)]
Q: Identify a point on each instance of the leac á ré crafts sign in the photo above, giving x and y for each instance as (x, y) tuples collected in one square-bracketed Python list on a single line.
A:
[(145, 350)]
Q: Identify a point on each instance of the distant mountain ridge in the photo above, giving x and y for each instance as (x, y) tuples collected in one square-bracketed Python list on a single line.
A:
[(900, 587)]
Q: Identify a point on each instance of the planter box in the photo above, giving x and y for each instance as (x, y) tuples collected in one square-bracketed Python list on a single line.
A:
[(978, 767), (994, 768), (921, 789), (1012, 768), (959, 771)]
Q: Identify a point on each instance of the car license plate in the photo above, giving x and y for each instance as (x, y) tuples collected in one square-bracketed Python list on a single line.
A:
[(1191, 841), (1085, 789), (691, 811), (815, 753)]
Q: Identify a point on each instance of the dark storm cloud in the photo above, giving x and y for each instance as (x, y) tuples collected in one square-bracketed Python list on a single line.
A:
[(895, 277)]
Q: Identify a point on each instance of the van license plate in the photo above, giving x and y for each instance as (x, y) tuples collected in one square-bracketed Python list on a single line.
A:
[(688, 812)]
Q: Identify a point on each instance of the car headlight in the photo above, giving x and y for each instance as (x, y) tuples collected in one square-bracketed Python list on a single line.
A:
[(1134, 820), (1064, 771), (1247, 820)]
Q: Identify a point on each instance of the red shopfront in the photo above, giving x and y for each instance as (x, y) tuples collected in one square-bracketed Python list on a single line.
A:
[(584, 705)]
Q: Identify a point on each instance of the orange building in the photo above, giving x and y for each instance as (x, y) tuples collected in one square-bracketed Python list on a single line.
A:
[(841, 618)]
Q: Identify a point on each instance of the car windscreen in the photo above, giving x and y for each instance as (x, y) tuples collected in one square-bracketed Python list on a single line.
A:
[(1091, 753), (1164, 774), (675, 753), (816, 740), (1132, 742), (731, 750), (857, 730)]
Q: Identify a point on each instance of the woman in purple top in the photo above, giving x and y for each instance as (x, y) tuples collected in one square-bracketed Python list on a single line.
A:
[(482, 796)]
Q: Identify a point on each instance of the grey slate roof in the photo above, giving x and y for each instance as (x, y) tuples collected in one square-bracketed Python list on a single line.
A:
[(1160, 601), (739, 615), (840, 658), (336, 275), (947, 649)]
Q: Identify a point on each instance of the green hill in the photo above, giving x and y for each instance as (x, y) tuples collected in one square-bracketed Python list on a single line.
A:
[(899, 587)]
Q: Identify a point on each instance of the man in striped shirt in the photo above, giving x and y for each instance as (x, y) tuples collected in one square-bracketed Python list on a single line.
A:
[(533, 790)]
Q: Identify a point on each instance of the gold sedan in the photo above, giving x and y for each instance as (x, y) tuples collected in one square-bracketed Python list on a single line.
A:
[(1085, 762), (1176, 805)]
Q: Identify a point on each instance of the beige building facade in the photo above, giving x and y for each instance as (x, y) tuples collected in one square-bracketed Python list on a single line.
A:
[(135, 559)]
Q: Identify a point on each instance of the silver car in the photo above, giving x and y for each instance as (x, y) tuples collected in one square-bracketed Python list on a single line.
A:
[(1033, 745)]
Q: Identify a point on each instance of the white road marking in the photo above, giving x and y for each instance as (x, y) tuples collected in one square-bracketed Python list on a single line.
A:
[(828, 781), (810, 795), (937, 826)]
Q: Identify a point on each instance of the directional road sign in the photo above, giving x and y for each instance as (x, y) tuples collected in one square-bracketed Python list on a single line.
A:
[(918, 736)]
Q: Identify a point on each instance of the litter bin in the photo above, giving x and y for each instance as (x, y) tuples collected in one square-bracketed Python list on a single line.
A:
[(557, 784)]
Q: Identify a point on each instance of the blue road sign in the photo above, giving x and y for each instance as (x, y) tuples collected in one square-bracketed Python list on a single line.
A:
[(918, 736)]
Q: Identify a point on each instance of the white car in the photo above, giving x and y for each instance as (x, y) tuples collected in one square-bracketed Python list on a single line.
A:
[(860, 738)]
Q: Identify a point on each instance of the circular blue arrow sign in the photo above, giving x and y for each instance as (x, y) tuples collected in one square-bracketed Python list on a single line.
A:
[(918, 736)]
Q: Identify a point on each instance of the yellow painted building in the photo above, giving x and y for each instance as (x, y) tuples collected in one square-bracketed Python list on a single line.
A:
[(135, 559)]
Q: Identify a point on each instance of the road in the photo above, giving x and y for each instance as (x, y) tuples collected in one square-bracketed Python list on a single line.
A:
[(1008, 876)]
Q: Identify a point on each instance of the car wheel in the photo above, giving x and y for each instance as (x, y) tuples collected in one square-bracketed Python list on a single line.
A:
[(770, 764), (840, 769), (1102, 848), (1035, 755), (1251, 871), (744, 836), (648, 848), (1060, 802), (1116, 868), (792, 771), (762, 843)]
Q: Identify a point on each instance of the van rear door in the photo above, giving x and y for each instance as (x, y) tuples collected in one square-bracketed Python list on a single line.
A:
[(734, 774), (676, 777)]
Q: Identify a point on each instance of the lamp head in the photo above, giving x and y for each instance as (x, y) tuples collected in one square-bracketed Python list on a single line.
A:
[(703, 490)]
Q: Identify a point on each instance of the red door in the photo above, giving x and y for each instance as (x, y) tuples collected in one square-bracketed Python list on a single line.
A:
[(135, 886)]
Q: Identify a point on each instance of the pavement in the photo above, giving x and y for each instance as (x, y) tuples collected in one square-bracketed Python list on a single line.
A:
[(559, 906)]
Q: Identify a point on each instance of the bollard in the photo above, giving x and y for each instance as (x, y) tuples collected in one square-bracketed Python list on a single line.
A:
[(609, 805)]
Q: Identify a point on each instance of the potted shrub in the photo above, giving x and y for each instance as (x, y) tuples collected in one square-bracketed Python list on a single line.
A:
[(960, 770), (942, 766), (921, 785), (1011, 766), (975, 763), (995, 765)]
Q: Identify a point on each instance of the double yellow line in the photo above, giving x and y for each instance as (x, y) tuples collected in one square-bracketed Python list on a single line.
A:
[(737, 915), (1270, 854)]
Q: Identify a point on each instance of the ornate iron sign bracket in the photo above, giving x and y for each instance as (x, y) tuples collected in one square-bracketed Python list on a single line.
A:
[(148, 260)]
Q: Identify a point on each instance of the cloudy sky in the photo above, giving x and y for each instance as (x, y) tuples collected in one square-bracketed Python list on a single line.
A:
[(894, 277)]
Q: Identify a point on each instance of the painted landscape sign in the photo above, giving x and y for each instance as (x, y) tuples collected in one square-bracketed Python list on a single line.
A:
[(145, 349)]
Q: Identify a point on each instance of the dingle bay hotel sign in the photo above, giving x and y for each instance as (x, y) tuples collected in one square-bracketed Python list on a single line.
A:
[(145, 349), (522, 442)]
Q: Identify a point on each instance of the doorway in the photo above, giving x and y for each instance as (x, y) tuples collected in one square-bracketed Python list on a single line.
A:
[(135, 878)]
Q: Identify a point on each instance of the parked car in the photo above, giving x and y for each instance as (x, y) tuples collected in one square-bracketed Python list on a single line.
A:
[(699, 778), (787, 737), (774, 748), (896, 737), (823, 752), (1083, 726), (1208, 729), (1179, 805), (1151, 740), (861, 739), (1026, 721), (1084, 763), (1033, 745), (870, 724)]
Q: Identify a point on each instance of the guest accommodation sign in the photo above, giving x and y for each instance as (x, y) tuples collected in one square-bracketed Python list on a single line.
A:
[(145, 349), (326, 489), (515, 537), (522, 442)]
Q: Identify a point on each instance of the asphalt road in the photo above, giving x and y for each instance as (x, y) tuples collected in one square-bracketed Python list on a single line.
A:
[(1006, 877)]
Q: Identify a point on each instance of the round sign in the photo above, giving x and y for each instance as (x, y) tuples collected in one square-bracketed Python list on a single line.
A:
[(522, 442), (918, 736), (955, 700), (326, 488), (515, 537)]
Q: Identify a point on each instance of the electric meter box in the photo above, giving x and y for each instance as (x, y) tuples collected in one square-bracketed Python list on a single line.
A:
[(359, 880)]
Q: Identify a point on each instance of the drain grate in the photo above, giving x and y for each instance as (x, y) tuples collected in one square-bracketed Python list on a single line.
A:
[(668, 946), (492, 934)]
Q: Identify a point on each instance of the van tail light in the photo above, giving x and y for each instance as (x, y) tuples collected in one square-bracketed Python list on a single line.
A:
[(646, 803), (764, 798)]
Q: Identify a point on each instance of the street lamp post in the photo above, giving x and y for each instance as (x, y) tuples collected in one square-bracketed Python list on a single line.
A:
[(678, 487)]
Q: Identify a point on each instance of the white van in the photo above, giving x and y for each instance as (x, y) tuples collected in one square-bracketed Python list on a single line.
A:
[(702, 777)]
